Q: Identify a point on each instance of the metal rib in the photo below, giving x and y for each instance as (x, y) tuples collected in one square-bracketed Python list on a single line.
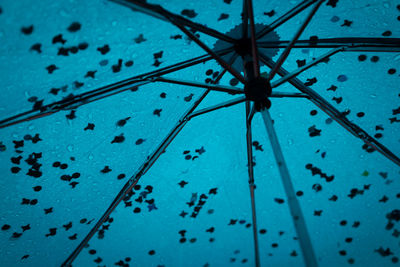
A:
[(136, 177), (245, 20), (287, 16), (307, 66), (102, 92), (222, 62), (218, 106), (324, 105), (353, 44), (159, 12), (220, 88), (254, 49), (286, 52)]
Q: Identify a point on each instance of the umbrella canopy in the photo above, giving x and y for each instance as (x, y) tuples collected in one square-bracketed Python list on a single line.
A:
[(132, 132)]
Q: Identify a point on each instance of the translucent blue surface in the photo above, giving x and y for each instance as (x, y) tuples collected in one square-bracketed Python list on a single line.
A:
[(352, 220)]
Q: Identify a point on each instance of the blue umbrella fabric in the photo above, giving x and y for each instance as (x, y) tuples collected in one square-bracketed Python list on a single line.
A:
[(102, 89)]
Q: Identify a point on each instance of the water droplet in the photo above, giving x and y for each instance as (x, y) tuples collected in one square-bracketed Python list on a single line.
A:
[(271, 166), (104, 62), (372, 95), (342, 78), (335, 19), (386, 4), (70, 148), (64, 13), (305, 51), (90, 157)]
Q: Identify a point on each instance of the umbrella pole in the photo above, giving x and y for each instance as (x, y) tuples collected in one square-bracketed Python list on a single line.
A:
[(294, 206), (252, 71), (251, 181)]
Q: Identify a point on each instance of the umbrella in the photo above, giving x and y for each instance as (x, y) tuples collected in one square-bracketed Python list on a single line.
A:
[(133, 130)]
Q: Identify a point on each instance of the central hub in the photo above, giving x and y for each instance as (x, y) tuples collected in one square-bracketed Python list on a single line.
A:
[(243, 46), (258, 90)]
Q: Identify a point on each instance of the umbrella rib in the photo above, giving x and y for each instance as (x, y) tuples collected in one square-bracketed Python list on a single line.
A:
[(287, 16), (178, 22), (111, 89), (335, 114), (28, 118), (254, 49), (250, 167), (294, 206), (142, 170), (352, 44), (219, 88), (128, 187), (245, 20), (216, 107), (222, 62), (306, 67), (372, 49), (166, 70), (68, 104), (159, 12), (59, 106), (312, 63), (285, 94), (286, 52)]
